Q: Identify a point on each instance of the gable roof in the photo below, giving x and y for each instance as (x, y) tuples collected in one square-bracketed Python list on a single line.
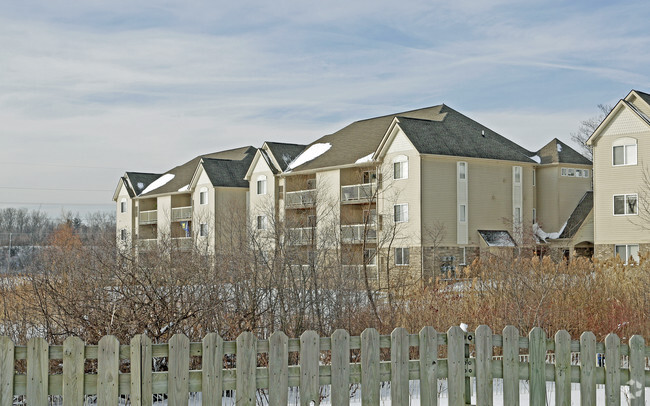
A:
[(284, 153), (177, 179), (643, 95), (622, 104), (227, 173), (458, 135), (497, 238), (578, 215), (558, 152)]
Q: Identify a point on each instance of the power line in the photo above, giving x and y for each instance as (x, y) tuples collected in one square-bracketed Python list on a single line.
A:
[(55, 189), (59, 165), (59, 204)]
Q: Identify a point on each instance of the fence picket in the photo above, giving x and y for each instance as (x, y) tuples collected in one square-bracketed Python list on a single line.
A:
[(178, 376), (212, 366), (73, 371), (309, 355), (7, 363), (370, 381), (108, 370), (340, 368), (484, 395), (246, 366), (562, 368), (428, 367), (456, 366), (537, 366), (37, 371), (637, 371), (612, 370), (399, 367), (587, 369), (146, 370), (510, 366), (278, 369)]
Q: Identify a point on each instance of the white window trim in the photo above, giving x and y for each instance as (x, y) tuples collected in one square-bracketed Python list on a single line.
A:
[(261, 181), (405, 213), (626, 142), (203, 230), (625, 204), (123, 235), (565, 172), (203, 192), (123, 207), (462, 171), (261, 222), (462, 209), (627, 251), (403, 161), (408, 257), (516, 169), (534, 177)]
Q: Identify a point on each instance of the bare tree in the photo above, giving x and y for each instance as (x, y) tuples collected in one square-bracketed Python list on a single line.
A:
[(587, 127)]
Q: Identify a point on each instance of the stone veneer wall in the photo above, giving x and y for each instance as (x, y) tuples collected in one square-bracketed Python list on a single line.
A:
[(606, 251), (433, 260)]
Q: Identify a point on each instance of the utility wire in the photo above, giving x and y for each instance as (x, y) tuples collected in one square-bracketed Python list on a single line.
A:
[(55, 189)]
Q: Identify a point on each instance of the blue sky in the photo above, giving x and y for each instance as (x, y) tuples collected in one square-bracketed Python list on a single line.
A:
[(91, 89)]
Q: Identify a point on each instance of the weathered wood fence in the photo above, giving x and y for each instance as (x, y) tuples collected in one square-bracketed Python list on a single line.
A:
[(312, 361)]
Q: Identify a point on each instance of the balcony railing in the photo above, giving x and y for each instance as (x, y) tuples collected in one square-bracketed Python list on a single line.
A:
[(148, 217), (300, 199), (354, 234), (358, 270), (362, 193), (147, 244), (183, 243), (182, 213), (302, 236)]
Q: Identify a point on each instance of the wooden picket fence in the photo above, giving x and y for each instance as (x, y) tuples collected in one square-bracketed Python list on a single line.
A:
[(248, 365)]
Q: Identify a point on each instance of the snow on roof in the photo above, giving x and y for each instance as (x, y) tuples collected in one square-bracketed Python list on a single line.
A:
[(536, 158), (309, 154), (559, 148), (544, 235), (184, 188), (140, 185), (366, 158), (160, 182)]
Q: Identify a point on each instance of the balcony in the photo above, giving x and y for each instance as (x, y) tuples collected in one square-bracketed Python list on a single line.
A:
[(147, 244), (354, 234), (301, 199), (148, 217), (354, 194), (302, 236), (183, 243), (182, 213), (358, 270)]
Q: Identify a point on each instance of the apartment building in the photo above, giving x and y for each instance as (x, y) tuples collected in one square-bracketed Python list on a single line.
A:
[(428, 189), (187, 207), (621, 146)]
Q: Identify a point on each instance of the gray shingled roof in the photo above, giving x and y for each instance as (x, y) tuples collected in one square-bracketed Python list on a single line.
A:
[(228, 173), (183, 173), (458, 135), (284, 153), (578, 215), (497, 238), (140, 181), (433, 130), (549, 154), (644, 96)]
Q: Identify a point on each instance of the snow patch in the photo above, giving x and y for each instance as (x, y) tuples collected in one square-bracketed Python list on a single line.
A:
[(309, 154), (543, 235), (184, 188), (140, 185), (160, 182), (559, 148), (366, 158), (536, 158)]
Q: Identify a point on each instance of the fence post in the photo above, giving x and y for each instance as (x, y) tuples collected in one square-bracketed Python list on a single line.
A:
[(37, 371), (428, 367), (141, 374), (510, 366), (612, 370), (309, 351), (212, 366), (7, 364), (108, 370), (587, 369), (245, 394), (483, 367), (178, 375), (537, 366), (278, 369), (370, 380), (73, 371), (562, 368), (340, 368), (637, 371), (399, 363), (456, 366)]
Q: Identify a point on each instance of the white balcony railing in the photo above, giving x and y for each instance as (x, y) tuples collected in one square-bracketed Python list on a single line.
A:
[(147, 244), (182, 243), (182, 213), (357, 233), (148, 217), (300, 199), (362, 193), (302, 236)]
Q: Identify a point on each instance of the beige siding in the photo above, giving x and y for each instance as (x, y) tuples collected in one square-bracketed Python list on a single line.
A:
[(558, 196), (203, 213), (328, 208), (230, 222), (610, 180), (164, 216), (125, 221), (264, 204), (586, 231)]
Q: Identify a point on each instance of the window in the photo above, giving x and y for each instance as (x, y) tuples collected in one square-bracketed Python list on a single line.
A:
[(203, 196), (517, 215), (369, 176), (462, 213), (401, 213), (401, 256), (516, 174), (400, 167), (575, 173), (534, 216), (625, 205), (534, 177), (624, 152), (311, 184), (261, 185), (464, 255), (369, 256), (261, 222), (627, 251), (123, 235), (203, 229), (370, 216), (123, 205), (462, 170)]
